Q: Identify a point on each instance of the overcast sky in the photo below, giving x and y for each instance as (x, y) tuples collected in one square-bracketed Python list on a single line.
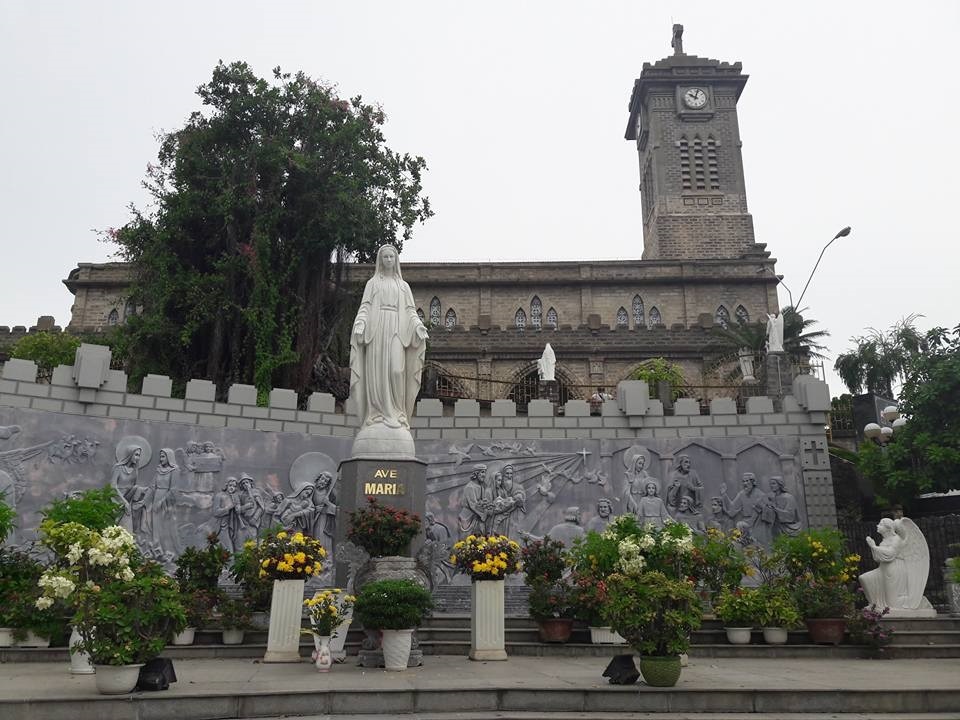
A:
[(519, 108)]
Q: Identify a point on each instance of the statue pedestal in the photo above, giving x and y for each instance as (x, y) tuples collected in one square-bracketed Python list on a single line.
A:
[(779, 374)]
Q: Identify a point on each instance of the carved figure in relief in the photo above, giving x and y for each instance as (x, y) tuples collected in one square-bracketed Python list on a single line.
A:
[(637, 479), (685, 482), (746, 508), (12, 477), (904, 564), (717, 518), (686, 514), (226, 509), (604, 516), (324, 519), (387, 347), (132, 453), (252, 509), (473, 506), (568, 530), (775, 332), (786, 512), (162, 503), (510, 501), (204, 460), (650, 509), (274, 510), (300, 511)]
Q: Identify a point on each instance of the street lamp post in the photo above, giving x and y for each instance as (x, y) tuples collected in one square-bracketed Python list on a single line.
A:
[(884, 434), (842, 233)]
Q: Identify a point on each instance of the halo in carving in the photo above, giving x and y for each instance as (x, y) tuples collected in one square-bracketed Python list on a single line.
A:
[(129, 442), (308, 466), (631, 454)]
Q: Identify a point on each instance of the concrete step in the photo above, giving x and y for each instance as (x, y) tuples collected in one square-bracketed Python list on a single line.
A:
[(534, 715)]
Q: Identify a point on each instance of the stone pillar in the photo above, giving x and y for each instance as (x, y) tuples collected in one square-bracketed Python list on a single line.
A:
[(779, 375)]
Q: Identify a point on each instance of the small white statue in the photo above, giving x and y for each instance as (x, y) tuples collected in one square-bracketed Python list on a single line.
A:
[(775, 333), (745, 356), (899, 581), (547, 364)]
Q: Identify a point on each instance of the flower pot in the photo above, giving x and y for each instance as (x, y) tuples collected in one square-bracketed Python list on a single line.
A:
[(606, 636), (556, 630), (232, 636), (185, 636), (33, 640), (339, 638), (486, 620), (117, 679), (6, 637), (826, 630), (660, 671), (286, 614), (322, 656), (80, 663), (396, 648), (775, 635), (738, 635), (953, 597)]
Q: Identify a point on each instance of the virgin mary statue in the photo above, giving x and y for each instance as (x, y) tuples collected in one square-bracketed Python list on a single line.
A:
[(387, 349)]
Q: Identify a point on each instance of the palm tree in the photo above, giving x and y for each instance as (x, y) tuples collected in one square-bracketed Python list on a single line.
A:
[(881, 359)]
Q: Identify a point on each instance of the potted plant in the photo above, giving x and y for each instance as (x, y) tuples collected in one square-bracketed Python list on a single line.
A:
[(21, 622), (8, 518), (593, 559), (656, 614), (777, 613), (198, 607), (123, 623), (198, 575), (825, 606), (381, 530), (245, 571), (287, 559), (329, 612), (95, 509), (395, 608), (551, 600), (719, 562), (487, 560), (234, 618), (738, 609)]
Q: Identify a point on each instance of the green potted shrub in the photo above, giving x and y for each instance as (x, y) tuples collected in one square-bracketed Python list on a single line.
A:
[(21, 621), (396, 608), (381, 530), (198, 575), (235, 619), (777, 613), (256, 590), (94, 509), (551, 598), (593, 559), (8, 518), (738, 609), (719, 562)]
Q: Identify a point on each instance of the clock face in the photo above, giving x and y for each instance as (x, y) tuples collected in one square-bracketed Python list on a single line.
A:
[(695, 98)]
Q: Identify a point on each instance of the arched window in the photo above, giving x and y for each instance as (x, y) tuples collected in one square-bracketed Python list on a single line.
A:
[(552, 320), (637, 311), (743, 317), (421, 316), (450, 319), (113, 318), (623, 319), (520, 319), (435, 311), (722, 316), (129, 309), (536, 313), (655, 318)]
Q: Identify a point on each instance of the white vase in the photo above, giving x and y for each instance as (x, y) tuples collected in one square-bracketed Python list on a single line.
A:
[(117, 679), (738, 635), (775, 635), (33, 640), (605, 636), (396, 649), (322, 656), (286, 615), (185, 636), (79, 660), (339, 638), (6, 637), (232, 636), (486, 620)]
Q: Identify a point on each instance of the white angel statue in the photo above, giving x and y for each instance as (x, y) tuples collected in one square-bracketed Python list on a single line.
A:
[(904, 563)]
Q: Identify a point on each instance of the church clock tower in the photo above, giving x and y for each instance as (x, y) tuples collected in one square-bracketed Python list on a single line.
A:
[(683, 118)]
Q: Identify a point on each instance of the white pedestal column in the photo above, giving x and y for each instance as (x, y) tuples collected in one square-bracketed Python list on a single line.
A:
[(286, 614), (486, 621)]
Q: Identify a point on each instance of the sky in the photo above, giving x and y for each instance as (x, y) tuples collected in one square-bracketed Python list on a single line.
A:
[(519, 108)]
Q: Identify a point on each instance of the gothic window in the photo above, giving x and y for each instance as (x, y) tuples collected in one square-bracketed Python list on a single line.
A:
[(722, 316), (129, 309), (435, 311), (637, 311), (743, 317), (536, 313), (623, 320), (421, 316), (646, 191), (713, 171), (450, 319), (699, 169), (113, 318), (552, 319), (520, 319), (655, 318)]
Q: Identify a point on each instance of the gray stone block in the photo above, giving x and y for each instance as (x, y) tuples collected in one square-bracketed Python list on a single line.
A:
[(576, 408), (633, 397), (226, 409), (91, 364), (566, 422), (453, 434), (305, 416), (427, 434), (615, 421), (759, 405), (127, 413), (96, 410), (240, 394), (790, 404), (724, 420), (116, 381), (441, 422), (216, 421), (503, 433), (201, 390), (295, 427), (491, 422), (240, 422), (32, 389), (610, 407), (739, 431), (503, 408), (334, 419), (155, 415), (466, 422), (553, 433), (686, 406), (283, 399), (19, 369), (654, 407), (272, 425), (774, 419), (198, 406), (46, 404), (603, 433), (539, 408), (60, 392), (182, 417), (481, 433), (157, 385), (590, 422), (63, 376), (8, 386), (321, 402), (286, 415), (818, 396), (682, 421), (139, 401), (466, 408), (73, 408), (528, 433), (723, 406), (106, 397), (255, 412), (666, 433), (429, 407), (540, 422)]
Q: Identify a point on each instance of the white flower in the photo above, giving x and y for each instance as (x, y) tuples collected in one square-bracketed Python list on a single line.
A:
[(74, 553), (646, 542), (125, 574), (43, 603)]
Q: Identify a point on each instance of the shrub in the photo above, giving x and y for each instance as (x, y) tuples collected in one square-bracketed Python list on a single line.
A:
[(719, 560), (776, 607), (737, 607), (392, 605), (289, 557), (382, 530), (486, 558), (8, 518), (94, 509), (544, 561), (200, 569), (245, 571), (234, 614)]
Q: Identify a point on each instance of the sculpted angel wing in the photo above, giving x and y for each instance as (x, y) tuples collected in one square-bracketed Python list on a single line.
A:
[(11, 460), (916, 553)]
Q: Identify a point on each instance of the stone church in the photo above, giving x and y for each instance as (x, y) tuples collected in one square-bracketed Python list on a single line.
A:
[(700, 267)]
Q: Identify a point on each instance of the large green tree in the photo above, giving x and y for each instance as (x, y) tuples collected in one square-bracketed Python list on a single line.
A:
[(258, 203), (880, 359), (924, 455)]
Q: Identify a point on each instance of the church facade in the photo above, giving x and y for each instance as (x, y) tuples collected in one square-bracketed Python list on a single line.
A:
[(701, 265)]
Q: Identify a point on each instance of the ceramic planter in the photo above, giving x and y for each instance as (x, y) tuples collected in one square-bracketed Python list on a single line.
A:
[(117, 679), (775, 635), (286, 615), (738, 635), (6, 637), (396, 649), (486, 620), (556, 630), (80, 663), (233, 636), (322, 656), (185, 636), (827, 631), (33, 640), (660, 671), (605, 636)]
